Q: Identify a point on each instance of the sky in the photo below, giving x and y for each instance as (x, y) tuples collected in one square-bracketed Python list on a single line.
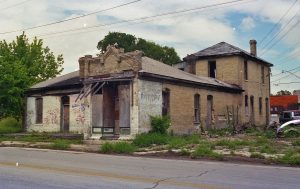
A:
[(186, 25)]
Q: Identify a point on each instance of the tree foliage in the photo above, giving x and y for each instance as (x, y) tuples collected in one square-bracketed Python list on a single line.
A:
[(283, 92), (129, 42), (23, 64)]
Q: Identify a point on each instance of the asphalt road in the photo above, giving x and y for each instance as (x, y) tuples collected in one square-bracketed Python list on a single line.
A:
[(33, 168)]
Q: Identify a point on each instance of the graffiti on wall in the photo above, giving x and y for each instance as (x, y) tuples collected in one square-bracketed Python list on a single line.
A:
[(78, 112), (52, 116)]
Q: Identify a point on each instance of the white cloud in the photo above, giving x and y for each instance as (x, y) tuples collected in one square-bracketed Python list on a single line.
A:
[(248, 24)]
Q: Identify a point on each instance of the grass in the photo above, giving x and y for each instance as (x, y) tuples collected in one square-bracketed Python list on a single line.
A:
[(118, 147), (206, 151), (10, 125), (61, 144), (38, 137), (232, 144), (150, 139), (296, 143), (266, 148), (290, 157)]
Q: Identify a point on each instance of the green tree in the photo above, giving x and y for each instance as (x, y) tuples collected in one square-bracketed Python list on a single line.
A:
[(165, 54), (23, 64), (283, 92)]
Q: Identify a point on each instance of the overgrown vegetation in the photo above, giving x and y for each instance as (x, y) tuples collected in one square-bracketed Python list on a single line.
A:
[(61, 144), (160, 124), (118, 147), (10, 125)]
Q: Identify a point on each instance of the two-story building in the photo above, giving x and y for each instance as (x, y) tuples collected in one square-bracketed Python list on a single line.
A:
[(116, 93)]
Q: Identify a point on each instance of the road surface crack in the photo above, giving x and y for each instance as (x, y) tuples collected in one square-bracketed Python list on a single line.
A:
[(157, 183)]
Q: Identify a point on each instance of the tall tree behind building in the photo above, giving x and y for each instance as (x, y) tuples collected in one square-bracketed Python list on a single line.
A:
[(129, 42), (23, 64), (283, 92)]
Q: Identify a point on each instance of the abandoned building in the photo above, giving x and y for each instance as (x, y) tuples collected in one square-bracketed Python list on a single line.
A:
[(115, 93)]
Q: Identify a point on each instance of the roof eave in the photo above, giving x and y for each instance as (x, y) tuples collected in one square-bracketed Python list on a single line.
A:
[(176, 80)]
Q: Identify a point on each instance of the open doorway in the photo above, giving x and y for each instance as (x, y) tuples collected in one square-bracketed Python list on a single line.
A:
[(65, 119)]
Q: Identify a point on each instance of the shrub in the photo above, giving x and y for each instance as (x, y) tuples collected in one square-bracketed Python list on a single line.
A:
[(60, 144), (107, 147), (149, 139), (118, 147), (10, 125), (160, 124)]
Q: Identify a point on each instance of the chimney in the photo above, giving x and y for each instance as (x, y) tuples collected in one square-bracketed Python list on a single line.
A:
[(252, 47)]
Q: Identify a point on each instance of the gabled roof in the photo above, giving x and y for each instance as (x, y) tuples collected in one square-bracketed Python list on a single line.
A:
[(160, 70), (60, 81), (225, 49)]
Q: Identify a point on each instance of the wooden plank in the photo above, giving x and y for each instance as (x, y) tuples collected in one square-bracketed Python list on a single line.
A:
[(97, 110), (124, 105)]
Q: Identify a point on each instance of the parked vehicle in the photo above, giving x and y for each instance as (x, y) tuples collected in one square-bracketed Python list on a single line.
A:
[(291, 128), (289, 115)]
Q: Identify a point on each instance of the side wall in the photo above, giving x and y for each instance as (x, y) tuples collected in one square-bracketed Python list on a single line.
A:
[(52, 113), (231, 70), (182, 107), (150, 103)]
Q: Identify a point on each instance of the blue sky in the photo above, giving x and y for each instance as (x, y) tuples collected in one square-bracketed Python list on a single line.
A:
[(188, 32)]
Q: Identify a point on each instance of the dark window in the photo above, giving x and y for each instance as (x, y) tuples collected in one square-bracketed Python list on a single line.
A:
[(245, 70), (212, 69), (165, 102), (262, 74), (197, 108), (246, 105), (260, 105), (39, 110), (296, 113), (287, 115)]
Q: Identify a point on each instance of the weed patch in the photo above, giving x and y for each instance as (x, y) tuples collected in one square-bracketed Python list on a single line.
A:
[(10, 125), (206, 151), (118, 147), (60, 144), (257, 156)]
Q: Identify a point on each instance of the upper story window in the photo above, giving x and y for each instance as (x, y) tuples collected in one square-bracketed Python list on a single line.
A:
[(212, 68), (245, 70), (262, 72), (39, 110)]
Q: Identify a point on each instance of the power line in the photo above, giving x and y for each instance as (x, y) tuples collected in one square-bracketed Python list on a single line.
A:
[(279, 32), (69, 19), (290, 73), (286, 83), (273, 44), (135, 23), (15, 5), (286, 71), (144, 18), (273, 28)]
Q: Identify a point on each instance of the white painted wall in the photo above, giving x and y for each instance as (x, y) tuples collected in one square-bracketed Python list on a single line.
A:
[(150, 103), (51, 114)]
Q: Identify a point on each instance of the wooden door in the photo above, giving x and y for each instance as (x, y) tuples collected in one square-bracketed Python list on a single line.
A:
[(65, 120)]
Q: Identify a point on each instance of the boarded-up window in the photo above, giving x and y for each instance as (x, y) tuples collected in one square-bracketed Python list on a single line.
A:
[(165, 102), (260, 105), (197, 108), (39, 110), (245, 70)]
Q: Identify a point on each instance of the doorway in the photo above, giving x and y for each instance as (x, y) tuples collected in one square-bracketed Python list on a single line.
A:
[(65, 106), (209, 111), (252, 109)]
